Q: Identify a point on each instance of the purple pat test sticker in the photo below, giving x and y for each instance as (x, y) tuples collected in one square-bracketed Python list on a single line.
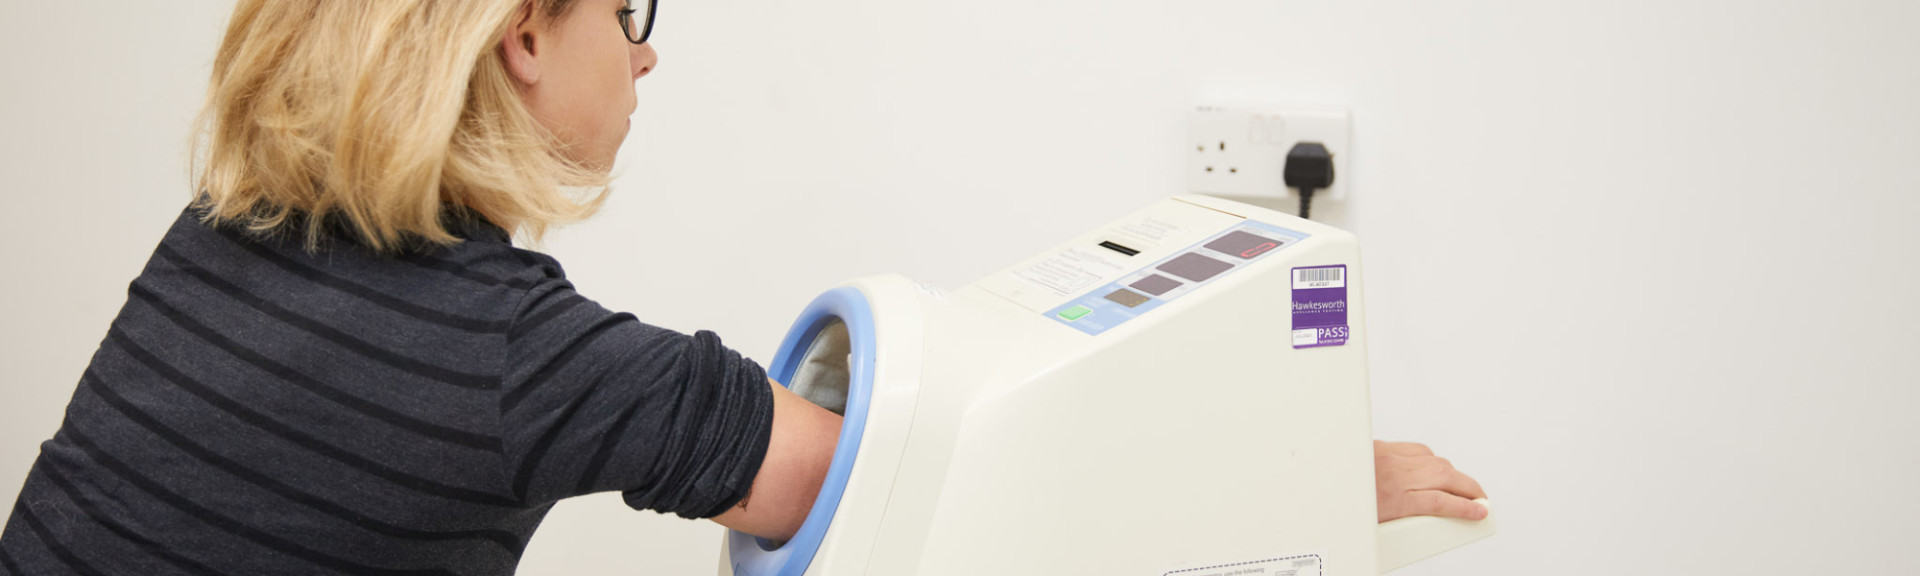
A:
[(1320, 306)]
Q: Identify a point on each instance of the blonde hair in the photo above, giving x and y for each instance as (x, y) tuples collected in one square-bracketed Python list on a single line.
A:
[(378, 114)]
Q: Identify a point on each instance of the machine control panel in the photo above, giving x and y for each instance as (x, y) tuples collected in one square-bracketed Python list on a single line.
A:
[(1141, 290)]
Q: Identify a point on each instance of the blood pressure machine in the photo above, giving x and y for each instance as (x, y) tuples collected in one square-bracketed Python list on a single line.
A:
[(1182, 392)]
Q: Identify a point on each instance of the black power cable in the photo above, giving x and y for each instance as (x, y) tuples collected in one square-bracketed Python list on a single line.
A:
[(1309, 168)]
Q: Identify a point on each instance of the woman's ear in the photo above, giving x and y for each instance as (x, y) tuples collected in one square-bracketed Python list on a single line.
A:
[(521, 44)]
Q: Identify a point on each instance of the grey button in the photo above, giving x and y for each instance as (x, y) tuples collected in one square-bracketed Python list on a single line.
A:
[(1127, 298), (1156, 285)]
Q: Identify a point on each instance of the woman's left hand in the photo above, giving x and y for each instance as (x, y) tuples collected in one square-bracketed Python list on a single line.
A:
[(1410, 481)]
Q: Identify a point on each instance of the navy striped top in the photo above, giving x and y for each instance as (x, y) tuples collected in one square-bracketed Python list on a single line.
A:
[(258, 408)]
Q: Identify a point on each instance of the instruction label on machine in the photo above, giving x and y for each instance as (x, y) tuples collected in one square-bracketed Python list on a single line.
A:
[(1070, 271), (1320, 306), (1291, 565)]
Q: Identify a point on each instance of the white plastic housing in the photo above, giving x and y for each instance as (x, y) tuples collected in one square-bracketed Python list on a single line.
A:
[(1002, 440)]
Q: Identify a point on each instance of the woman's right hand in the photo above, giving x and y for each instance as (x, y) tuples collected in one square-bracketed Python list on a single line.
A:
[(1410, 481)]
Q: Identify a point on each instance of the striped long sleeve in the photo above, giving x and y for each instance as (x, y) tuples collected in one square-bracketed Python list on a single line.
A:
[(259, 408)]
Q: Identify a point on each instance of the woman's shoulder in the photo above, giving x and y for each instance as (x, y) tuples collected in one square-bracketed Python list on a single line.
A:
[(483, 276)]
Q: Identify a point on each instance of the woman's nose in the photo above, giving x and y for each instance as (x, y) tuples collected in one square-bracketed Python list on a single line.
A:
[(644, 59)]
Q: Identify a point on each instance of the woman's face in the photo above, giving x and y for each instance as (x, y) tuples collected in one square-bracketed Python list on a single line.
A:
[(581, 83)]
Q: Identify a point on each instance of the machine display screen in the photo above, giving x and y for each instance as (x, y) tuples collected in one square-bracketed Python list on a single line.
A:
[(1243, 244), (1195, 267)]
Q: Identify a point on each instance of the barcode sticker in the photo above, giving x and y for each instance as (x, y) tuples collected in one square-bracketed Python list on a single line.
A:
[(1332, 277), (1320, 307)]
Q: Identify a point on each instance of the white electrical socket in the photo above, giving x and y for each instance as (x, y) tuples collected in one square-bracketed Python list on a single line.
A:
[(1241, 151)]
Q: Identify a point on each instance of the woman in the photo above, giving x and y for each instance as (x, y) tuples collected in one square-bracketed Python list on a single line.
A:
[(337, 362)]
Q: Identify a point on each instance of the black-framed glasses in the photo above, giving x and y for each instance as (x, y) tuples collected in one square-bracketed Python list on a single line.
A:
[(638, 24)]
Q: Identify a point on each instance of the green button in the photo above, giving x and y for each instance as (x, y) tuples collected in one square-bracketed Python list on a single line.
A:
[(1074, 313)]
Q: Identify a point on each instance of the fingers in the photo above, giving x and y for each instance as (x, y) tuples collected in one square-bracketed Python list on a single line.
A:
[(1384, 448), (1436, 473), (1465, 486), (1437, 503)]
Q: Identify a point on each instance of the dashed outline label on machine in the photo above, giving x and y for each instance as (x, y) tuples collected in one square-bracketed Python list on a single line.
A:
[(1305, 564), (1144, 289)]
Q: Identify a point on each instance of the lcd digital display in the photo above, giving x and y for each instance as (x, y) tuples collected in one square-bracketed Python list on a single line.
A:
[(1243, 244), (1195, 267)]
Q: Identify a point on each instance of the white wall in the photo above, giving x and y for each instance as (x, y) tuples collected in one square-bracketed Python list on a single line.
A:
[(1647, 269)]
